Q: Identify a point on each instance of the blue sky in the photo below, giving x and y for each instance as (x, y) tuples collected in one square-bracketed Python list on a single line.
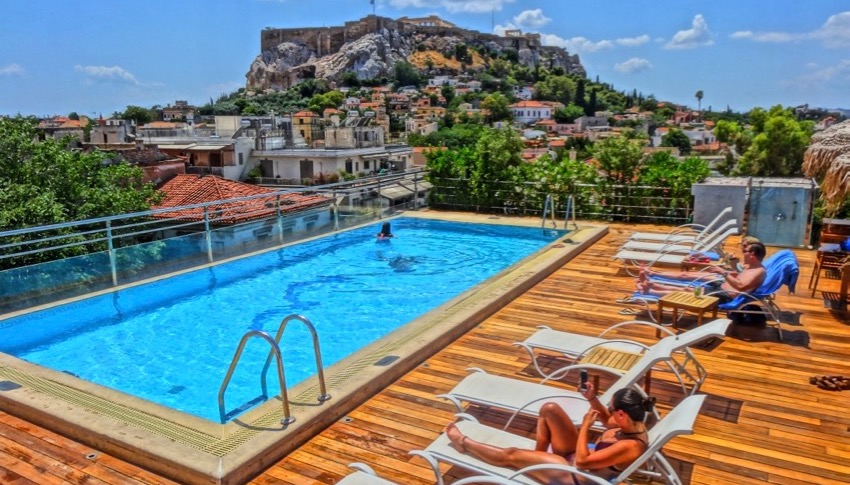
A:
[(99, 56)]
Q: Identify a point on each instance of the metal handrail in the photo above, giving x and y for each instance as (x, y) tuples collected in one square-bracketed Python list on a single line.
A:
[(571, 208), (548, 208), (323, 393), (275, 349)]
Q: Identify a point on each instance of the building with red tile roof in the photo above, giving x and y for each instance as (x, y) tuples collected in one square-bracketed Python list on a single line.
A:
[(186, 190)]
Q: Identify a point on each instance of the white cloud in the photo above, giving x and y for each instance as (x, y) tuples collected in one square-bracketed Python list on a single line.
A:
[(500, 29), (834, 33), (635, 64), (11, 70), (106, 73), (532, 19), (698, 35), (575, 45), (454, 6), (838, 73), (633, 41), (764, 36)]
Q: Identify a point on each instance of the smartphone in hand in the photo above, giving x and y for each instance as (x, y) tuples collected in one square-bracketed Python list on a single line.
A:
[(582, 386)]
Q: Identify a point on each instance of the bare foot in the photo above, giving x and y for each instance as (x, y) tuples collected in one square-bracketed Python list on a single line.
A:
[(456, 438)]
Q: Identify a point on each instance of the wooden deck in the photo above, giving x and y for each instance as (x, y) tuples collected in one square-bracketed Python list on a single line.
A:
[(763, 422)]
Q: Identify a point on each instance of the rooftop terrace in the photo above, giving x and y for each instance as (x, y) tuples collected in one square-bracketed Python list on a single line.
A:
[(763, 421)]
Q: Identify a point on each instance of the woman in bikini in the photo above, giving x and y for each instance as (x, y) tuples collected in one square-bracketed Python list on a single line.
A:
[(560, 442)]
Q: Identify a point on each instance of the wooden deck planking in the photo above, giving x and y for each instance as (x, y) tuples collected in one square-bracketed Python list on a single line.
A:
[(763, 422)]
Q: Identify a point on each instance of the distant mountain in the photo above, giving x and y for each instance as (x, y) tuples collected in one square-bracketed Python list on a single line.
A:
[(371, 46)]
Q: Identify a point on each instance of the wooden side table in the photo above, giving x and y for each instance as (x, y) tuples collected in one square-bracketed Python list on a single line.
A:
[(620, 360), (686, 301)]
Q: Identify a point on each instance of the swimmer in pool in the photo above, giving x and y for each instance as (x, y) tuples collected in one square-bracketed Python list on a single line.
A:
[(386, 232)]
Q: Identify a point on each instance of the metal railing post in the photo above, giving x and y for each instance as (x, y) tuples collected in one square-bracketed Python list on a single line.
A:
[(112, 262), (380, 201), (415, 191), (208, 234), (335, 210), (279, 219)]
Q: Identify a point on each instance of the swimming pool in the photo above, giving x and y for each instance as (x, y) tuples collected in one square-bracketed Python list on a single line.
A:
[(171, 341)]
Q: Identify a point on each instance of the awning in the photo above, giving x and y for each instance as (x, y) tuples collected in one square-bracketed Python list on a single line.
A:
[(396, 192), (376, 157), (174, 147), (208, 148)]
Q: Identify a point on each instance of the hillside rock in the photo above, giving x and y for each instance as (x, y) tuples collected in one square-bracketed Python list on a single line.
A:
[(372, 46)]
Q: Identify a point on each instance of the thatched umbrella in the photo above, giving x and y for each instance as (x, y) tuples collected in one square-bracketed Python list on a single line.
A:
[(828, 159)]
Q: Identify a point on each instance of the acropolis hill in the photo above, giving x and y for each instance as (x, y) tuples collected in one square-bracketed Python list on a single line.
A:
[(371, 46)]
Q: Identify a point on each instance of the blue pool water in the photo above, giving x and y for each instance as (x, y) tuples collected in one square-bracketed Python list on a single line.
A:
[(171, 341)]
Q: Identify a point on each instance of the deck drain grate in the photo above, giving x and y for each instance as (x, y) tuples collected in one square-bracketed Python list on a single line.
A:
[(386, 360)]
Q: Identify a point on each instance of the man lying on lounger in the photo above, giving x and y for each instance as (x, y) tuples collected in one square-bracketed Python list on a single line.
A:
[(732, 282)]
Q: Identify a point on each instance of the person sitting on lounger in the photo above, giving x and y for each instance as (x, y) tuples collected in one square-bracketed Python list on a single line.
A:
[(732, 282), (560, 442), (707, 274)]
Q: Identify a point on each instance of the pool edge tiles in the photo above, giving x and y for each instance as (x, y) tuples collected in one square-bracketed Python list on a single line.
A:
[(192, 450)]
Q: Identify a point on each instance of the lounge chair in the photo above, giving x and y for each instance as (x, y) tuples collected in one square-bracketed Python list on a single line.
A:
[(685, 231), (782, 268), (363, 476), (678, 421), (523, 397), (709, 245), (577, 346), (671, 254)]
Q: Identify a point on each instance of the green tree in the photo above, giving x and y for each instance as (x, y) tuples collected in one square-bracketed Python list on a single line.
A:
[(350, 79), (498, 107), (777, 146), (138, 114), (662, 169), (44, 183), (448, 92), (405, 74), (678, 139), (619, 158), (726, 131), (592, 106), (568, 114), (555, 88), (498, 158), (320, 102), (699, 96)]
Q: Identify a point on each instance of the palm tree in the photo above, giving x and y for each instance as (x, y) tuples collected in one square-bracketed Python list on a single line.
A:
[(699, 100)]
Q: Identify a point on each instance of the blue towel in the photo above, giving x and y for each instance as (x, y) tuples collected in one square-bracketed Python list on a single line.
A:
[(782, 268)]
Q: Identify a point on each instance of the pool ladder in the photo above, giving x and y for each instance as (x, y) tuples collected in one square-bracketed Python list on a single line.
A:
[(275, 352), (549, 210)]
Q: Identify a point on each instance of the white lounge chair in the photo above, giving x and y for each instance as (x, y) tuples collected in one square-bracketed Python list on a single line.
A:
[(688, 231), (632, 259), (713, 242), (363, 476), (523, 397), (576, 346), (679, 421)]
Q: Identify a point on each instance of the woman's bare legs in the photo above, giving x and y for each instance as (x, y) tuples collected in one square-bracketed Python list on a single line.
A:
[(509, 457), (555, 429)]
